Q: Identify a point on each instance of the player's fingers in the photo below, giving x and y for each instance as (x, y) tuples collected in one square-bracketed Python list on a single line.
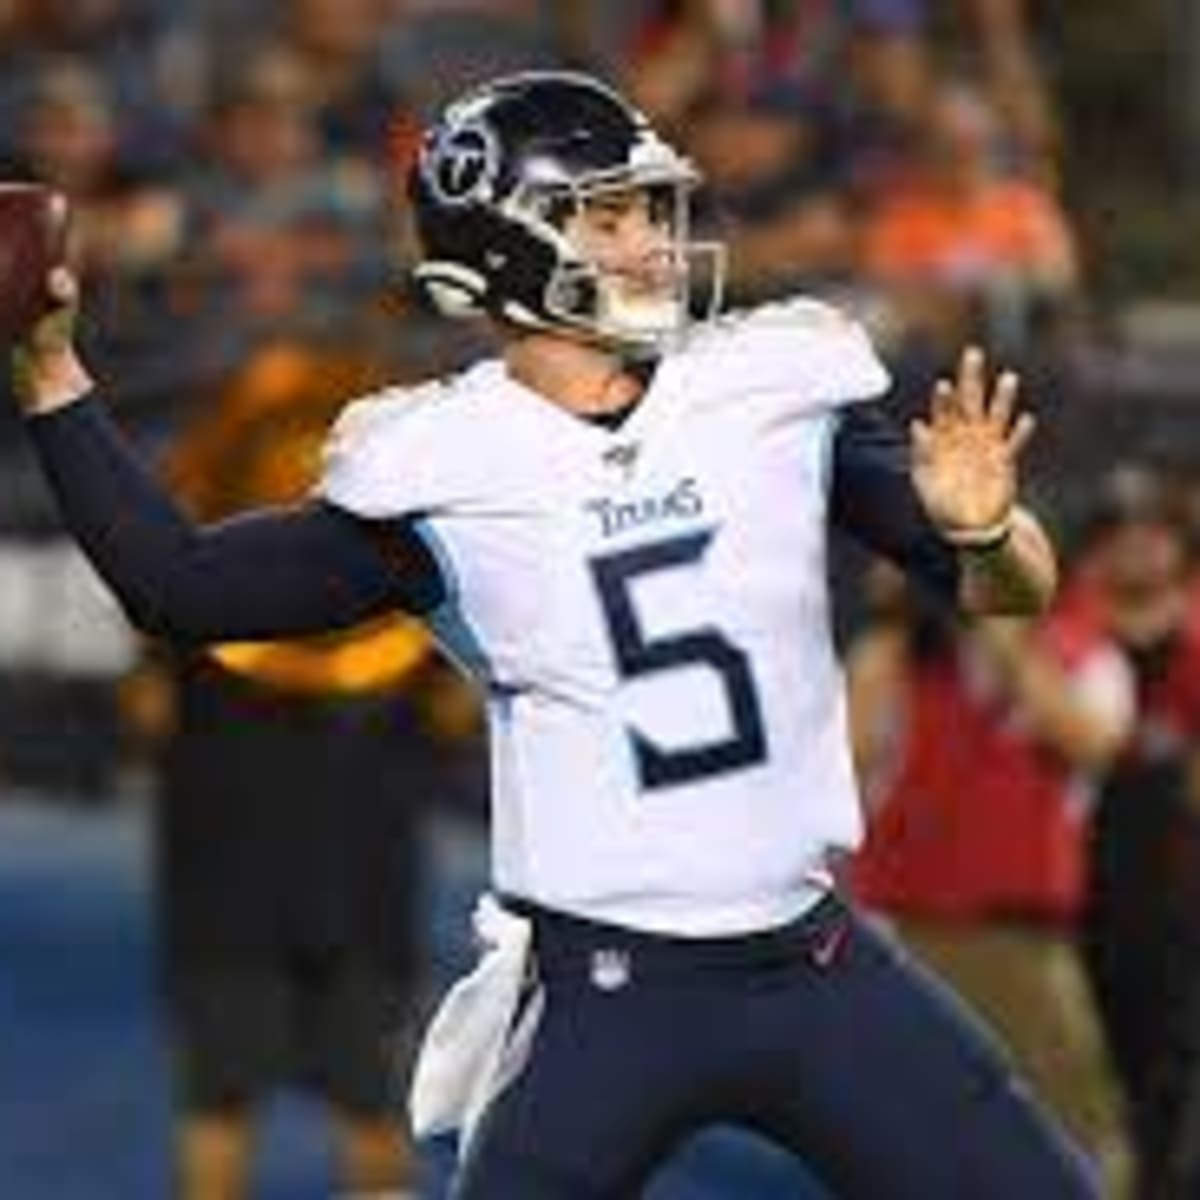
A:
[(1022, 431), (1004, 400), (971, 371), (62, 286), (942, 403)]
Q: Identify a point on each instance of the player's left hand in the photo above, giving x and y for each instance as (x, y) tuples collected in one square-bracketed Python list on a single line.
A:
[(965, 451)]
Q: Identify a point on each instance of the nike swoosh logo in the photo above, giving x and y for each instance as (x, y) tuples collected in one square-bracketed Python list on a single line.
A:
[(827, 951)]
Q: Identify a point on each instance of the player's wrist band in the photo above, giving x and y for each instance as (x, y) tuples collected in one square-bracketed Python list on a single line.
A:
[(981, 541)]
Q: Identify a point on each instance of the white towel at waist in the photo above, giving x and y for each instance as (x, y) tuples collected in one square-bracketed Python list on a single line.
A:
[(471, 1050)]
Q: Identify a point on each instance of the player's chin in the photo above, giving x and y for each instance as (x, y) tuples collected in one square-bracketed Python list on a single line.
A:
[(644, 297)]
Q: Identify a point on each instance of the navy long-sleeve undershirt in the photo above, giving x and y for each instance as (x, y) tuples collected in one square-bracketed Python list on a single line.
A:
[(271, 573), (872, 498)]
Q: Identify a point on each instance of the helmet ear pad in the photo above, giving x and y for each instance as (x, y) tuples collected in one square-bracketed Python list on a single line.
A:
[(509, 267), (453, 289)]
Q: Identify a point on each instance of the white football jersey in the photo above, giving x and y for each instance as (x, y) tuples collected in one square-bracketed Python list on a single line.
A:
[(647, 612)]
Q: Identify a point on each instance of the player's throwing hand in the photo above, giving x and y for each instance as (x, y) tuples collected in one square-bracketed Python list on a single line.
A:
[(47, 372)]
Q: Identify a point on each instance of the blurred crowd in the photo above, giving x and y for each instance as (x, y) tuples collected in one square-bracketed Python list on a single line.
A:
[(235, 173), (235, 169)]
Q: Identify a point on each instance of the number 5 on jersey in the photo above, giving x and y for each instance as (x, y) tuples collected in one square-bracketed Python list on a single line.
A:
[(638, 656)]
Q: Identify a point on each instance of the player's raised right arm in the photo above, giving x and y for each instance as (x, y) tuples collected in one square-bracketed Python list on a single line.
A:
[(270, 573)]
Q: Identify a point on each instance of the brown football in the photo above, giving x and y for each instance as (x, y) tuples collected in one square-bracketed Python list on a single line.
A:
[(33, 229)]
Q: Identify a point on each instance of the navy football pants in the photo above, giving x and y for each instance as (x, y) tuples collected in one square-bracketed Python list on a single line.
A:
[(821, 1036)]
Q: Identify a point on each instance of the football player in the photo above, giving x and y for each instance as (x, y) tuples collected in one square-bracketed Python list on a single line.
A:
[(618, 526)]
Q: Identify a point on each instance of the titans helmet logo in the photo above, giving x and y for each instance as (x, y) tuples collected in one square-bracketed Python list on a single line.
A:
[(462, 163)]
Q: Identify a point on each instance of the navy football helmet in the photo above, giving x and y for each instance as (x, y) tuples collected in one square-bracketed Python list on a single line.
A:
[(493, 188)]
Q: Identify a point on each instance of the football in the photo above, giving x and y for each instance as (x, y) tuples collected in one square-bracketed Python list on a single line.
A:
[(33, 226)]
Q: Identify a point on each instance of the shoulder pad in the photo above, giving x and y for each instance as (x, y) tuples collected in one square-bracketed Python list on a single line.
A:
[(382, 456), (808, 351), (371, 414)]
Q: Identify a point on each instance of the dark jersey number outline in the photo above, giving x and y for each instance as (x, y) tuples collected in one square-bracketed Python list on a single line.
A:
[(639, 656)]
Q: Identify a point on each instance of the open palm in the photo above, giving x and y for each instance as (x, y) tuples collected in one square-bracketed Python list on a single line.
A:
[(965, 451)]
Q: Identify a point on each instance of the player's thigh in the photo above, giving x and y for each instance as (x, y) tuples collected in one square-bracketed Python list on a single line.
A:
[(601, 1100), (889, 1086)]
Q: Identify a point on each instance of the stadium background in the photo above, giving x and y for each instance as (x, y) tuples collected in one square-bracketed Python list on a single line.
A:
[(233, 170)]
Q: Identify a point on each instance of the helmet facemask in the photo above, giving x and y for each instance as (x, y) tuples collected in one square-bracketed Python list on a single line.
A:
[(639, 304)]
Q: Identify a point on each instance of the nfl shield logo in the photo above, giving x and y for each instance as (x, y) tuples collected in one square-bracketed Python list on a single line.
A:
[(611, 969)]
